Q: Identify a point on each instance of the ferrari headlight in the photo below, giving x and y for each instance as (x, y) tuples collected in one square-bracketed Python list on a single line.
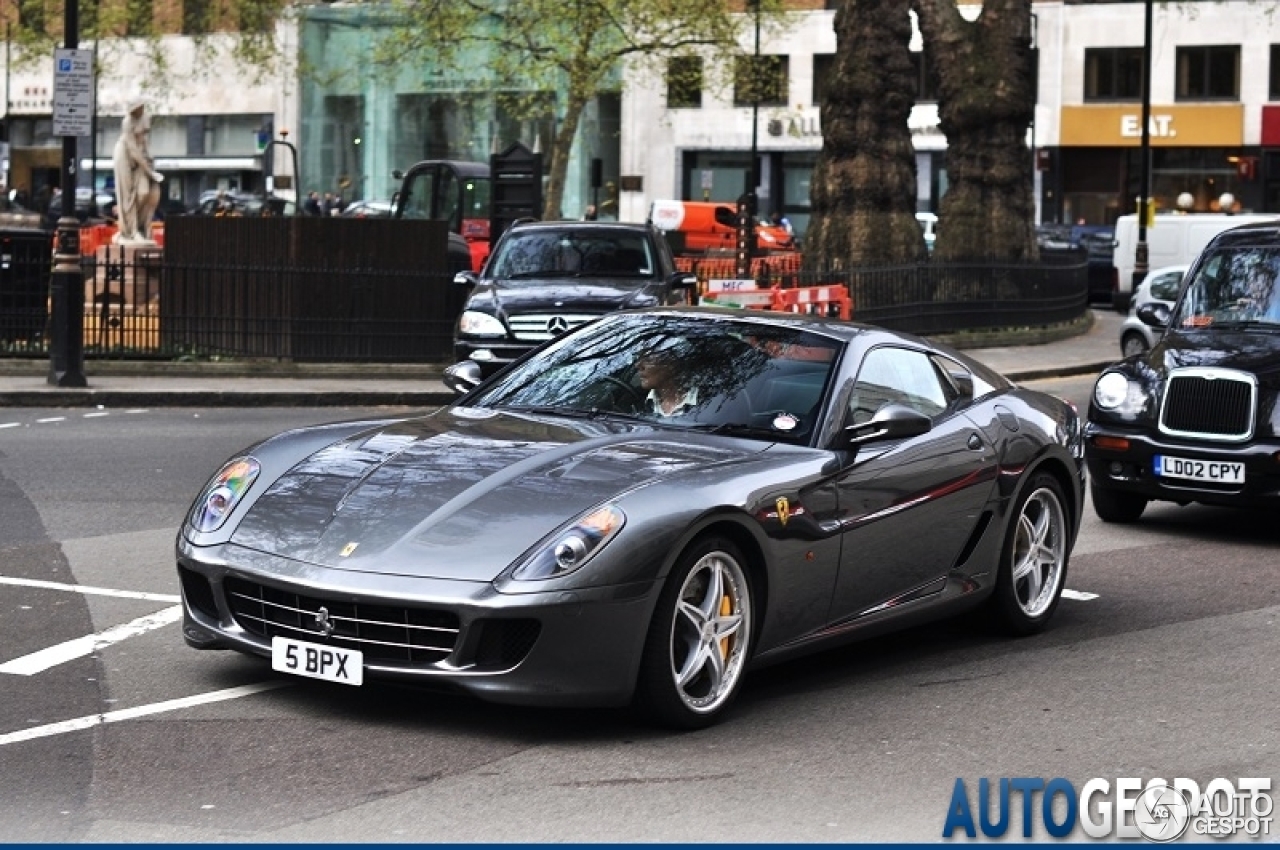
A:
[(480, 324), (1111, 390), (223, 492), (572, 546)]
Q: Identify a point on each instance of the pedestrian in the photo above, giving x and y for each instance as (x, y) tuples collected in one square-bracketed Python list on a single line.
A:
[(312, 205), (777, 219), (589, 214)]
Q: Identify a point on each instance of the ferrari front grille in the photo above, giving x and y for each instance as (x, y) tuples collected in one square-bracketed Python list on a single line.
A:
[(386, 634), (1209, 404)]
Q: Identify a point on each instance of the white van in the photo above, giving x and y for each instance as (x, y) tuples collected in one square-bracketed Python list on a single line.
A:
[(1174, 240)]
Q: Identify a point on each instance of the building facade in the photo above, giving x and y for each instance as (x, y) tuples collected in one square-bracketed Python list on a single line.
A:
[(1215, 115)]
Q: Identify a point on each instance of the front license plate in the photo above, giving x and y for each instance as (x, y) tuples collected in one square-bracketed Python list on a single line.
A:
[(331, 663), (1212, 471)]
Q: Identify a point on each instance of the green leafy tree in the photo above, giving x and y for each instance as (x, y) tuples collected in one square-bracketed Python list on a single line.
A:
[(575, 48)]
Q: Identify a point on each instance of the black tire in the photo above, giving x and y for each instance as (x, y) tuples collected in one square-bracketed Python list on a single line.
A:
[(1116, 505), (1033, 560), (697, 648)]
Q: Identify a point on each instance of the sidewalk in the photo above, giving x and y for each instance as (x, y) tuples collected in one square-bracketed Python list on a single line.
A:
[(133, 384)]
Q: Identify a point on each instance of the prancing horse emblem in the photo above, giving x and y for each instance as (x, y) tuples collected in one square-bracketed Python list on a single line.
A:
[(557, 325), (784, 509), (323, 623)]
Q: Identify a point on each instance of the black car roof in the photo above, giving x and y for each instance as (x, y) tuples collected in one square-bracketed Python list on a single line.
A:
[(581, 225), (1249, 233)]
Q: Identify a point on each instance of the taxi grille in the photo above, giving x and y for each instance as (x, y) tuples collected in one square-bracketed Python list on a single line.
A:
[(1213, 404), (539, 327), (384, 633)]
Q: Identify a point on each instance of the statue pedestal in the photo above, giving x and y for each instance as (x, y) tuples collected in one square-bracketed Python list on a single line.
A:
[(125, 281)]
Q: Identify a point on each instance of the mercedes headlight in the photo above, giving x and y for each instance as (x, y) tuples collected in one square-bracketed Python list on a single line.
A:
[(480, 324), (572, 546), (223, 492)]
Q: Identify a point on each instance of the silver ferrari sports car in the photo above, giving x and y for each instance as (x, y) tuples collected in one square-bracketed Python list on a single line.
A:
[(639, 512)]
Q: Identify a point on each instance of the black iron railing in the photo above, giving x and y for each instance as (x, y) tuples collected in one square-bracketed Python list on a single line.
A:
[(352, 290)]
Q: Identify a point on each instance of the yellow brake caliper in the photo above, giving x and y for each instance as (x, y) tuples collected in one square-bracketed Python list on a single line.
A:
[(726, 608)]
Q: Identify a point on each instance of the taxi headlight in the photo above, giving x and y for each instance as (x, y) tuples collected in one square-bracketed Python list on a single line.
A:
[(480, 324), (1111, 390)]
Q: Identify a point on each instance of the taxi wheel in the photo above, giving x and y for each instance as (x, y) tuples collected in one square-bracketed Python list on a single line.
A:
[(1116, 505), (696, 650)]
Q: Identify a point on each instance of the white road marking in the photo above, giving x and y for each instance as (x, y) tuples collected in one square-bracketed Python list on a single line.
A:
[(1079, 595), (38, 662), (10, 424), (140, 711), (51, 419), (99, 413), (96, 591)]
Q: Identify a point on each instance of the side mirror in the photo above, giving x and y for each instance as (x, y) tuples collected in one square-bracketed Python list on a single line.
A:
[(964, 383), (463, 377), (891, 422), (466, 278), (1154, 314), (683, 280)]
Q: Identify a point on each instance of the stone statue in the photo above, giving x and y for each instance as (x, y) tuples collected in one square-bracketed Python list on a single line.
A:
[(137, 181)]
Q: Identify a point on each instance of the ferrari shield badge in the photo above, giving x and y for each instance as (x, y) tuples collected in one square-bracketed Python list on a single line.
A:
[(784, 509), (349, 548)]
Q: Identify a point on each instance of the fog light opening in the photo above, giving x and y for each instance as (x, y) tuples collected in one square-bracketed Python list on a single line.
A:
[(1116, 444)]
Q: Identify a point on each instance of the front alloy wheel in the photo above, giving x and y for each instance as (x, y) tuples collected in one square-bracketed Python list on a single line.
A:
[(1033, 565), (696, 650)]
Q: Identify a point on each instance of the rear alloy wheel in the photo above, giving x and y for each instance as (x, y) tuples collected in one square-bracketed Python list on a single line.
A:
[(1133, 344), (1033, 564), (696, 649), (1116, 505)]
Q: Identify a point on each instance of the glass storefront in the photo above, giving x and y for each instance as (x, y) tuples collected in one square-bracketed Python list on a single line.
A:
[(359, 124)]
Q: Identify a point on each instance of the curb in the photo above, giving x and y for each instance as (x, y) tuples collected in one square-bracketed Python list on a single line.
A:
[(223, 398)]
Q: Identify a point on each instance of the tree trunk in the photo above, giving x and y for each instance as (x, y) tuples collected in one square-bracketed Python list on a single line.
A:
[(986, 103), (561, 147), (864, 183)]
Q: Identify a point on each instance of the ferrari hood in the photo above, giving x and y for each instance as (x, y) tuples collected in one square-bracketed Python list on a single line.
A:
[(461, 494)]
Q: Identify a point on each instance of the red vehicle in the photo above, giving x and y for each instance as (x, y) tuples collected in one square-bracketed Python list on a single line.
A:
[(699, 228), (449, 190)]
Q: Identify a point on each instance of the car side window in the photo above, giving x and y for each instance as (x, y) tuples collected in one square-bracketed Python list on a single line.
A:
[(891, 375)]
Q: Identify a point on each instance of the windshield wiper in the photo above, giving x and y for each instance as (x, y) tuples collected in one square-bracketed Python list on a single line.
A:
[(555, 409), (739, 429), (538, 274), (1251, 324)]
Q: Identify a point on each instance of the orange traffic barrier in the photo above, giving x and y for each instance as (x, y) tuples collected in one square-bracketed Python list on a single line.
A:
[(831, 300)]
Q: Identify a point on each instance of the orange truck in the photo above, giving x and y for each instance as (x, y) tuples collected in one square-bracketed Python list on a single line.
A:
[(702, 228)]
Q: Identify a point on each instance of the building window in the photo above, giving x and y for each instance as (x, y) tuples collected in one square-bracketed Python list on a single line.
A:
[(684, 82), (1273, 90), (823, 66), (1208, 73), (1113, 73), (761, 80), (926, 81)]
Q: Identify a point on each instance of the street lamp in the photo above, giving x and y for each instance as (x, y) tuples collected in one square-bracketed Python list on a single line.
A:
[(747, 203), (66, 283), (1141, 256)]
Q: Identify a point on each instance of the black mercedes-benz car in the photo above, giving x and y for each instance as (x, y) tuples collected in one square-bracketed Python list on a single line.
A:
[(1196, 418), (545, 278)]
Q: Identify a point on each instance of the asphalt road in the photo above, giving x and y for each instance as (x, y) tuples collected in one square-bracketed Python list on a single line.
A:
[(1164, 664)]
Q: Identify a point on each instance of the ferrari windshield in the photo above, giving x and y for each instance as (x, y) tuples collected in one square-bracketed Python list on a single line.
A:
[(741, 377), (573, 252), (1234, 285)]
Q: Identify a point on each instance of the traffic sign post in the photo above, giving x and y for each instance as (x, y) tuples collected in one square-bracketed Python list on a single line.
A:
[(72, 118)]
